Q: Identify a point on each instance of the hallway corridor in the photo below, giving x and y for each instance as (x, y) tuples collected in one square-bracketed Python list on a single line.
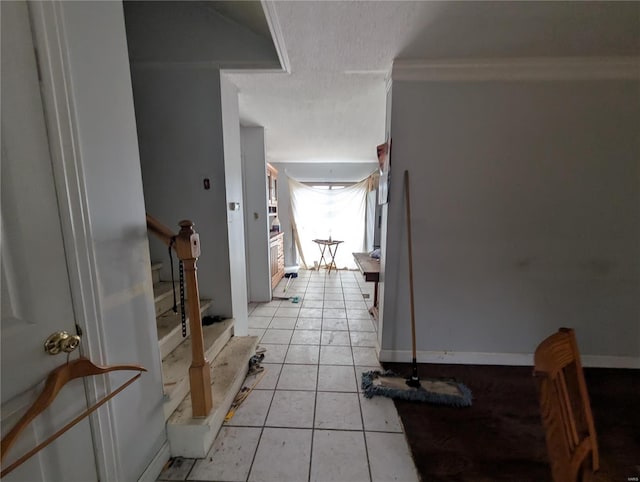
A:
[(305, 419)]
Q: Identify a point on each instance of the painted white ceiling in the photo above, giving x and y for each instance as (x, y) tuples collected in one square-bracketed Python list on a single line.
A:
[(331, 107)]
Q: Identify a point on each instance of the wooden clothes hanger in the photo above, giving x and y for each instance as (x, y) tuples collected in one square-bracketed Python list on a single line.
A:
[(57, 379)]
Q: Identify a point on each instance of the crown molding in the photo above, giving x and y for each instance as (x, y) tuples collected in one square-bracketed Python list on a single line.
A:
[(513, 69), (269, 7)]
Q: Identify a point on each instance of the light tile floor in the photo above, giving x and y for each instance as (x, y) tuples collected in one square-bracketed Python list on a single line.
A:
[(306, 419)]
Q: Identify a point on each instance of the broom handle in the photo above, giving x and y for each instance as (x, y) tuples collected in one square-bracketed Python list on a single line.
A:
[(413, 313)]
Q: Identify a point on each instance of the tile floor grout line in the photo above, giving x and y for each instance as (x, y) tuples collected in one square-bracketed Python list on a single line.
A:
[(255, 452), (327, 429), (315, 398), (313, 421), (253, 459), (192, 467), (364, 434)]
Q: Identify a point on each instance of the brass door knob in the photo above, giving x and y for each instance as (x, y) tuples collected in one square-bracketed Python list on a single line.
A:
[(61, 341)]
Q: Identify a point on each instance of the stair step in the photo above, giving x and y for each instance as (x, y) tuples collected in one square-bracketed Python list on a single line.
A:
[(170, 328), (163, 296), (175, 367), (155, 272), (193, 437)]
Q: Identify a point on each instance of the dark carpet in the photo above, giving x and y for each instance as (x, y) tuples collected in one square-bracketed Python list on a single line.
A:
[(501, 438)]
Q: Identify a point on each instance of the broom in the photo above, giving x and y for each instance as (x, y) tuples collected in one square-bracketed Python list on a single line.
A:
[(294, 299), (388, 384)]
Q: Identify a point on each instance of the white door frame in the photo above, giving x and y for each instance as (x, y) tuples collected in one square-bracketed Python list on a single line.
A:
[(57, 93)]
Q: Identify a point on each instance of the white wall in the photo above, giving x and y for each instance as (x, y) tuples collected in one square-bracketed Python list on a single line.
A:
[(526, 217), (179, 117), (235, 217), (255, 212), (108, 149), (312, 172)]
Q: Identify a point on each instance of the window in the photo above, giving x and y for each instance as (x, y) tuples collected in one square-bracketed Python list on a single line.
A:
[(329, 211)]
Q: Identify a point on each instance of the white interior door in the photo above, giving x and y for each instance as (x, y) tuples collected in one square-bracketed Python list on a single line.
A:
[(36, 294)]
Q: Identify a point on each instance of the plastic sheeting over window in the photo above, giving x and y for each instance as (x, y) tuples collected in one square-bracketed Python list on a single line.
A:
[(339, 214)]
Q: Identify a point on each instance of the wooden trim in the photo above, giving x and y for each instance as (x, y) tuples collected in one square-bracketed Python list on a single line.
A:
[(276, 258), (564, 402), (160, 230), (584, 394), (67, 427), (187, 246), (57, 379), (368, 266), (188, 249)]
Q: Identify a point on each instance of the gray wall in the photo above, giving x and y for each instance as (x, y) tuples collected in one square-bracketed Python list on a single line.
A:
[(179, 117), (177, 50), (255, 212), (525, 212), (312, 172), (177, 31), (108, 149)]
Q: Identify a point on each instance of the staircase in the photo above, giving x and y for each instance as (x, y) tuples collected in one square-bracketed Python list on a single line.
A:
[(229, 357)]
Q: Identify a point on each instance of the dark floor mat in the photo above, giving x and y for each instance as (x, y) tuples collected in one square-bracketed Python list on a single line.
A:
[(501, 438)]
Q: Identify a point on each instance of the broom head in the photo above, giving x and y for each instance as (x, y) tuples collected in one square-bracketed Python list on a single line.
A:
[(439, 391)]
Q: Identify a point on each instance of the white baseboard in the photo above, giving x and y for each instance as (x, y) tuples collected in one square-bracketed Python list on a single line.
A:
[(600, 361), (509, 359), (152, 472)]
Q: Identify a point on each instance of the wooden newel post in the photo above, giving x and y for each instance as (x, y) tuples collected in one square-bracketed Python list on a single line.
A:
[(188, 249)]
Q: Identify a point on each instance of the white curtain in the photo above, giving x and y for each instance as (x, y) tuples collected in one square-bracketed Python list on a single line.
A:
[(339, 214), (371, 219)]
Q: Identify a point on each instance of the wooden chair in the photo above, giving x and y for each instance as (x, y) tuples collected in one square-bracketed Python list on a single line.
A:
[(566, 411)]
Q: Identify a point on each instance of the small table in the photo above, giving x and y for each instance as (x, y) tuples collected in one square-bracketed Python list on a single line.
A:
[(370, 268), (332, 246)]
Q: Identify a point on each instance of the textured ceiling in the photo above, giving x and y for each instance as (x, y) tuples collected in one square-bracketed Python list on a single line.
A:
[(331, 106)]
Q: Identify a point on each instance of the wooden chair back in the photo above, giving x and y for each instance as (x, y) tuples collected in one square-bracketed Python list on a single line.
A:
[(565, 407)]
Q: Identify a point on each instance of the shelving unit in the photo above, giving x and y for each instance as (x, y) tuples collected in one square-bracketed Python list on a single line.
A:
[(276, 252), (272, 193), (276, 239)]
